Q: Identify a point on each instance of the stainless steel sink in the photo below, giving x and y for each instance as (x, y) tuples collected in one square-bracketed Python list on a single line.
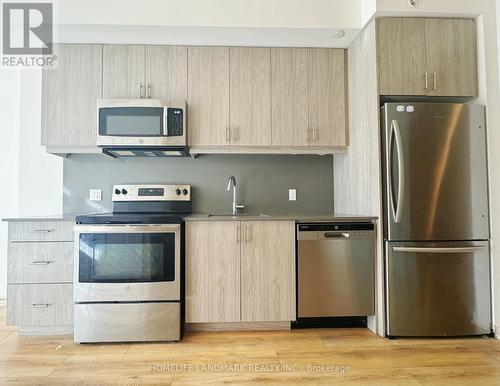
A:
[(240, 215)]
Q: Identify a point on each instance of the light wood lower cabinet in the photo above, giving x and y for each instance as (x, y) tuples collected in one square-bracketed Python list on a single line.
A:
[(226, 257), (40, 277), (40, 305), (268, 271), (40, 262), (212, 271)]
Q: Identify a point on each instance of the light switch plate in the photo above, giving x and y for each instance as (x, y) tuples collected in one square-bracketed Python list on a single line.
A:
[(95, 195), (292, 194)]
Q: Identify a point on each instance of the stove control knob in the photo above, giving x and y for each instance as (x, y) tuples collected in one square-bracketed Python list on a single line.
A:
[(178, 192), (124, 191), (185, 192), (117, 191)]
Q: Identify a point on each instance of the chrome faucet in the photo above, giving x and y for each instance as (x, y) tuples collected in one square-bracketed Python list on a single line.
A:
[(231, 183)]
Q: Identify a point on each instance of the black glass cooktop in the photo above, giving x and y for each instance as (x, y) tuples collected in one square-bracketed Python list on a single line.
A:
[(131, 218)]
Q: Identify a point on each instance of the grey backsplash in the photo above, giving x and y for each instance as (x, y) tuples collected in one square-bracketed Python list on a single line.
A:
[(262, 181)]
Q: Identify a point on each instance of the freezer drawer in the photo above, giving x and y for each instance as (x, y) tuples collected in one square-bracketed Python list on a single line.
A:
[(438, 288), (127, 322)]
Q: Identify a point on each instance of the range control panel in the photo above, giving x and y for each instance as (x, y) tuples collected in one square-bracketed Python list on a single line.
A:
[(151, 193)]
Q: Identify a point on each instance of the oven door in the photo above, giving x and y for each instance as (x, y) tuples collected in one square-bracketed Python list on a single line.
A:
[(127, 263)]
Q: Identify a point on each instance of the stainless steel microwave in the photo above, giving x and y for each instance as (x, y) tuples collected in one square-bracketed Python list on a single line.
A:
[(141, 127)]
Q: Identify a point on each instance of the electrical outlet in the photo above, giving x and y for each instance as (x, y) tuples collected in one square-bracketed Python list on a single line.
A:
[(95, 195), (292, 194)]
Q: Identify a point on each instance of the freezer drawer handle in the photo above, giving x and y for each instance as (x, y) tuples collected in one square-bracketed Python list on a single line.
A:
[(438, 250), (332, 235)]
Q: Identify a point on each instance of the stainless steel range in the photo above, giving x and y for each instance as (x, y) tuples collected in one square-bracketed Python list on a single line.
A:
[(129, 266)]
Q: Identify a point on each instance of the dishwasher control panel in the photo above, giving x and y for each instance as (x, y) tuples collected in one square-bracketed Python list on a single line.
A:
[(325, 231)]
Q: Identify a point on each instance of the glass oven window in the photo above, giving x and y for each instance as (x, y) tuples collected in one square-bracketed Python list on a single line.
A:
[(131, 121), (126, 257)]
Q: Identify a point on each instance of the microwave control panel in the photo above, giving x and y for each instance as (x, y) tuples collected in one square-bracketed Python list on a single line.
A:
[(175, 122)]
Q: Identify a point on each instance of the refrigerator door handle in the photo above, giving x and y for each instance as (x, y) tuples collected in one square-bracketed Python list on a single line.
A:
[(439, 249), (397, 208)]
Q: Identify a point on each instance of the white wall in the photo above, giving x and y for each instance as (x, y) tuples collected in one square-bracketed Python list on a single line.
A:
[(40, 174), (213, 13), (30, 180), (9, 161)]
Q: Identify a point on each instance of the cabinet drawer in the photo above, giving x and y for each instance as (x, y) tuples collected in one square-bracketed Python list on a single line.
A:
[(41, 231), (39, 305), (40, 262)]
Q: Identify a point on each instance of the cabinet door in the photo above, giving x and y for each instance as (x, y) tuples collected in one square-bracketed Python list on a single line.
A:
[(69, 96), (451, 57), (123, 71), (268, 271), (166, 72), (402, 56), (326, 97), (208, 96), (289, 96), (212, 271), (250, 96)]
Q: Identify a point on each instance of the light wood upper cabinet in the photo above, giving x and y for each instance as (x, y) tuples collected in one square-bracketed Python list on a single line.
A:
[(427, 57), (250, 96), (124, 71), (451, 57), (212, 271), (289, 97), (208, 96), (69, 95), (166, 72), (327, 97), (268, 271), (402, 56)]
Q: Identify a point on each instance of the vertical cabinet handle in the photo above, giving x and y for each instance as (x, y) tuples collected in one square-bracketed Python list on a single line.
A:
[(141, 86), (148, 90), (246, 234), (238, 234), (435, 80), (426, 77)]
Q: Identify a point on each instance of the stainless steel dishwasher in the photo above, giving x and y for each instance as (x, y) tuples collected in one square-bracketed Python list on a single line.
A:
[(335, 269)]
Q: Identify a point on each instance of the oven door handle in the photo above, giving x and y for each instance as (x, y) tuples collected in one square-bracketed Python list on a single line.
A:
[(135, 228)]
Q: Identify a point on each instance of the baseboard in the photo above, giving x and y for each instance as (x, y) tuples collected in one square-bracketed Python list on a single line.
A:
[(53, 330), (240, 326)]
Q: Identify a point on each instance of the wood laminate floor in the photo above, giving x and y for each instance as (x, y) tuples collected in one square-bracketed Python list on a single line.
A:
[(297, 357)]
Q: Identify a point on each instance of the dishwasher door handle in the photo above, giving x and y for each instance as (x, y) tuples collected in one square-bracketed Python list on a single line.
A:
[(336, 235)]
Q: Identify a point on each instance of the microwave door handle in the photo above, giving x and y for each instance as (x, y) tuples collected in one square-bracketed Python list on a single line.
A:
[(165, 122)]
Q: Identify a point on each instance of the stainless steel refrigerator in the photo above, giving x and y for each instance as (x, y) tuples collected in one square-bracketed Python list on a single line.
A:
[(436, 225)]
